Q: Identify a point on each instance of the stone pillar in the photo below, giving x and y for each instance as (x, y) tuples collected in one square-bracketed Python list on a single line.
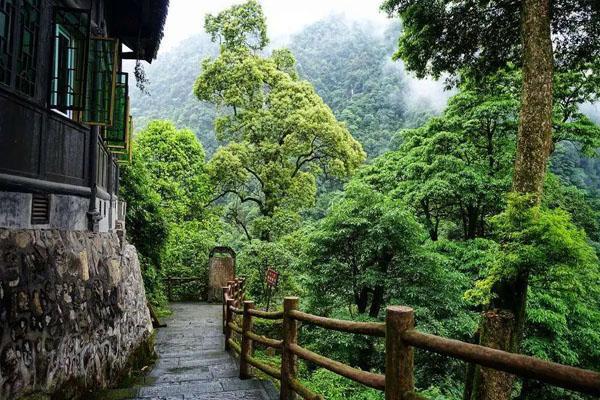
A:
[(221, 268)]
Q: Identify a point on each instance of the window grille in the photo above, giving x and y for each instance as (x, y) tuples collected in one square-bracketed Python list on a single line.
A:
[(7, 15), (115, 136), (27, 54), (70, 39), (101, 79)]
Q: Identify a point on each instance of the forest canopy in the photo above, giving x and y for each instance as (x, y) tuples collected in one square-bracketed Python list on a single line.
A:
[(320, 160)]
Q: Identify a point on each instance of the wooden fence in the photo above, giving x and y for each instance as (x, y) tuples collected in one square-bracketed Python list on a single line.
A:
[(172, 281), (400, 340)]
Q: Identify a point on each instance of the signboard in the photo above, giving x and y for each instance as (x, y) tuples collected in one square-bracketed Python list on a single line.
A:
[(272, 277)]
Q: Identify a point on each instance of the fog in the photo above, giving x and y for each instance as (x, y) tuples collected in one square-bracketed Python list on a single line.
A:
[(286, 18)]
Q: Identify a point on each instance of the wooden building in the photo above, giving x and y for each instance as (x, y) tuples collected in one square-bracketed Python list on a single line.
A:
[(64, 109)]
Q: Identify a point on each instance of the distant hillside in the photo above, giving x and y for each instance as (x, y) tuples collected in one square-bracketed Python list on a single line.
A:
[(349, 64), (171, 78)]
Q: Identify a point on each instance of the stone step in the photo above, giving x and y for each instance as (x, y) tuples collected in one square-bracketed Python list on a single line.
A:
[(192, 363), (237, 395)]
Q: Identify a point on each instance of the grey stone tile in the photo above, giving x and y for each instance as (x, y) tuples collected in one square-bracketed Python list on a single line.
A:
[(192, 362)]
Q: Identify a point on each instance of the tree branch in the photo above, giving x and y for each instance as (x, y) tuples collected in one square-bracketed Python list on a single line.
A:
[(255, 174)]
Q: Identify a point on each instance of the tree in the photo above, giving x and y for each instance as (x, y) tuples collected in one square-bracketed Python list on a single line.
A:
[(348, 63), (454, 171), (147, 227), (280, 135), (362, 236), (166, 187), (379, 248), (478, 38), (174, 160)]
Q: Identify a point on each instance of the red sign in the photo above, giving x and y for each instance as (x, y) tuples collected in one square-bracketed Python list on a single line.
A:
[(272, 277)]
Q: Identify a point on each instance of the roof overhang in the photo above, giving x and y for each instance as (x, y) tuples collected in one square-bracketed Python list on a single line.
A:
[(139, 24)]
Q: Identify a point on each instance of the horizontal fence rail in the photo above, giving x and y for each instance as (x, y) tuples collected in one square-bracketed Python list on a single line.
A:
[(171, 281), (401, 339)]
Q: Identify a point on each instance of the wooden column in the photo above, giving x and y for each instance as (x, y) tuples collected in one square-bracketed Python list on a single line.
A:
[(246, 342), (399, 356), (288, 359), (229, 318), (93, 175)]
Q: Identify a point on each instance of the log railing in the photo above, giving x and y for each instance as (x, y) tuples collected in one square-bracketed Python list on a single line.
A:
[(400, 340), (171, 281)]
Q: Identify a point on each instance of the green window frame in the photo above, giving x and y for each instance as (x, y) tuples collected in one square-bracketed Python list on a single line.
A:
[(101, 79), (123, 156), (115, 136), (7, 17), (70, 48), (63, 67), (28, 48)]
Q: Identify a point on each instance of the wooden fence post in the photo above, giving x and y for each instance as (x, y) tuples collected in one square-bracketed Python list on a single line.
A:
[(169, 290), (288, 359), (246, 341), (229, 319), (225, 294), (231, 286), (242, 288), (399, 357)]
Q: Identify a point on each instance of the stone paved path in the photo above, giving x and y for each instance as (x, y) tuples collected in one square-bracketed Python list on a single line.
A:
[(193, 364)]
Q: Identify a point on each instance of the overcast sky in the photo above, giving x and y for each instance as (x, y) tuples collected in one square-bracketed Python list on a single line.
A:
[(284, 17)]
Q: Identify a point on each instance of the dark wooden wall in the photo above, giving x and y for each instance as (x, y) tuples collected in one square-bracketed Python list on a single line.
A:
[(38, 143)]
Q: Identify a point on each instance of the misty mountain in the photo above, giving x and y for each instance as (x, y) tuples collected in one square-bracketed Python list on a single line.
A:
[(171, 78), (349, 64)]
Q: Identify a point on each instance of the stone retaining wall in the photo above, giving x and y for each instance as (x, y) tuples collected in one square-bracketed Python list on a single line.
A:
[(72, 310)]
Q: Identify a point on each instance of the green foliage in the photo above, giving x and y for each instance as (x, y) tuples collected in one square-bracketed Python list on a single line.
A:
[(280, 135), (540, 242), (175, 161), (455, 170), (186, 254), (253, 261), (375, 243), (241, 25), (146, 224), (348, 63), (363, 237), (336, 387), (451, 36), (166, 188), (154, 284), (171, 77)]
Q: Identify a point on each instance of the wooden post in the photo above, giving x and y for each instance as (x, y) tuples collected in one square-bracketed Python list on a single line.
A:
[(239, 284), (231, 286), (399, 357), (246, 342), (288, 359), (242, 288), (224, 320), (229, 318), (169, 292)]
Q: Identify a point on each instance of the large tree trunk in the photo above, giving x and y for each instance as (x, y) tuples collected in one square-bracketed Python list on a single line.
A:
[(377, 302), (535, 126), (362, 300), (533, 150)]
